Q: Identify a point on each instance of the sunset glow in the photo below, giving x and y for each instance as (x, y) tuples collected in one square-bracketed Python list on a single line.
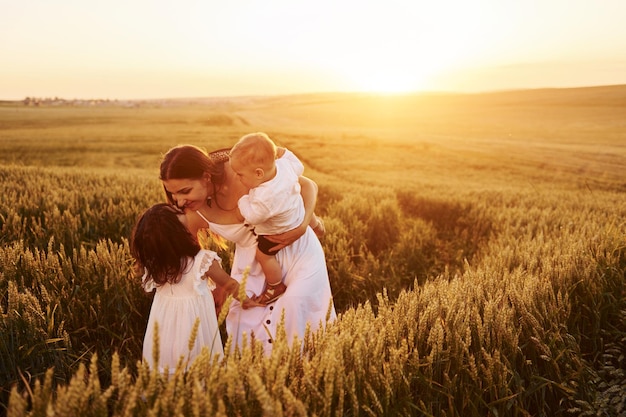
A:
[(145, 49)]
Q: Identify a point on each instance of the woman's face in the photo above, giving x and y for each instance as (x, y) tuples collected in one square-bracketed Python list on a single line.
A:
[(187, 193)]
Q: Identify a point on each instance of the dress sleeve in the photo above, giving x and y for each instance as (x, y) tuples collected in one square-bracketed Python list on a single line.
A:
[(293, 160), (253, 210), (206, 258), (146, 282)]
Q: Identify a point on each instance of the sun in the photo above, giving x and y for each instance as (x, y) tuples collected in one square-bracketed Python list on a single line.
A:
[(407, 48), (388, 81), (386, 73), (393, 66)]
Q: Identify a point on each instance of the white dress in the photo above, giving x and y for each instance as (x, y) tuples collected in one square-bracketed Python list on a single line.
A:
[(308, 297), (175, 308)]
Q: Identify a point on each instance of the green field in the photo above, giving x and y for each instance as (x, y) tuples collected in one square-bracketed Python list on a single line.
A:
[(476, 246)]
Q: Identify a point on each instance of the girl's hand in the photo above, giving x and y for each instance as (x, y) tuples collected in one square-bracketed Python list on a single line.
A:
[(232, 287), (250, 303)]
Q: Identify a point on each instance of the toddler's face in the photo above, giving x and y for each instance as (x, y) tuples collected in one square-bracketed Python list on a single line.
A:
[(247, 174)]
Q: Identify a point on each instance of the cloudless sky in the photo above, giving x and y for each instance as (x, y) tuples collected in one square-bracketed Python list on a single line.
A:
[(125, 49)]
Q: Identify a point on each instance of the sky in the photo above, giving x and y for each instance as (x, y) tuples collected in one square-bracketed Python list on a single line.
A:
[(150, 49)]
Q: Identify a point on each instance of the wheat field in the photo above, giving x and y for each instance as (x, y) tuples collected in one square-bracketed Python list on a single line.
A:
[(476, 246)]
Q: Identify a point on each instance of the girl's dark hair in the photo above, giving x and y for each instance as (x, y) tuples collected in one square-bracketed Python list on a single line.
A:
[(192, 162), (161, 244)]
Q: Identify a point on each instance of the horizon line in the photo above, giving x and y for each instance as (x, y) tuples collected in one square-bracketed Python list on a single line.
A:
[(311, 93)]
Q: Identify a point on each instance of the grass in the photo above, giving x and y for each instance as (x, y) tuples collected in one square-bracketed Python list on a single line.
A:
[(475, 246)]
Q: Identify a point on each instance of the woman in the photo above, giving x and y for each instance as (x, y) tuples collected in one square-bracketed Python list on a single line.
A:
[(207, 188)]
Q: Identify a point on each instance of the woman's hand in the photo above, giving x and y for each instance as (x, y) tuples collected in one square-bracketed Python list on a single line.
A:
[(287, 238)]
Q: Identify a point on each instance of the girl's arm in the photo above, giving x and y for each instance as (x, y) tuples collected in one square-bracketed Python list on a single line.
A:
[(222, 279), (308, 189), (229, 285)]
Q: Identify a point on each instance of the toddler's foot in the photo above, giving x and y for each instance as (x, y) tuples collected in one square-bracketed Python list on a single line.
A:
[(271, 293)]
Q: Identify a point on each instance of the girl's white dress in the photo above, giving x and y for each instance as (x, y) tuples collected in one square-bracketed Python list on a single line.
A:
[(175, 309), (308, 299)]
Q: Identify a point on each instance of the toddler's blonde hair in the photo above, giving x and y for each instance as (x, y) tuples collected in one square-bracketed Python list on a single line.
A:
[(256, 149)]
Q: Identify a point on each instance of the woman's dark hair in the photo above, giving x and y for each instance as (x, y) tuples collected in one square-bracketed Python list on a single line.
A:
[(161, 244), (192, 162)]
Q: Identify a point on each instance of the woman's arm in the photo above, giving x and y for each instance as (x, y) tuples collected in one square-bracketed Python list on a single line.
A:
[(308, 189)]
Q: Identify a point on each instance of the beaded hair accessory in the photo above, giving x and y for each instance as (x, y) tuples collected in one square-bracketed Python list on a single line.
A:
[(220, 156)]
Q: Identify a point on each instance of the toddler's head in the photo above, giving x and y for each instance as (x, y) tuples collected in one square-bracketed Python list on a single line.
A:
[(253, 159)]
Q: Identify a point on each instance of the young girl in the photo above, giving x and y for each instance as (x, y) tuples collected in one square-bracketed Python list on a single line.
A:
[(183, 275)]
